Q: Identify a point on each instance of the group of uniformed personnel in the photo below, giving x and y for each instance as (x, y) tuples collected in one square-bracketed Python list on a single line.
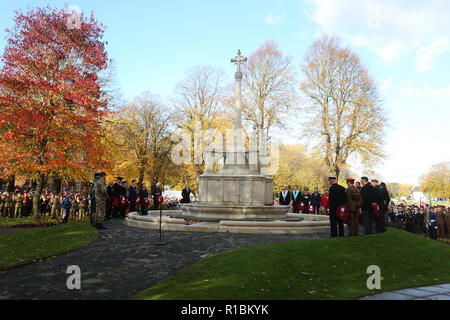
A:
[(18, 205), (367, 201), (361, 200), (433, 222), (12, 205)]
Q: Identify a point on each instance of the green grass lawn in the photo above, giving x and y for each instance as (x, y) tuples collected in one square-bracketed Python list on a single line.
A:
[(34, 244), (311, 269), (10, 222)]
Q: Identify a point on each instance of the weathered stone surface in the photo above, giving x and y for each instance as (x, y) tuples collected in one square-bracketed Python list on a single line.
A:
[(389, 296), (232, 226), (217, 212), (437, 292), (414, 292), (439, 297), (435, 289)]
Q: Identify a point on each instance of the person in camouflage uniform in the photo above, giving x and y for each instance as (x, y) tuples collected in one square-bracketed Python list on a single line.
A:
[(100, 200), (61, 203), (2, 205), (9, 205), (75, 207), (54, 206), (18, 205), (89, 207), (82, 208)]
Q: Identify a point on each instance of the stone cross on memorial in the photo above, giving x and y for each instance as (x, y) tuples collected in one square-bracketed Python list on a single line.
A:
[(238, 102)]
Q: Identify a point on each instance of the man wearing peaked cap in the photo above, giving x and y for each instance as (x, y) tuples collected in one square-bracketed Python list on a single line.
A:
[(353, 204), (100, 200), (116, 189), (337, 198), (369, 198)]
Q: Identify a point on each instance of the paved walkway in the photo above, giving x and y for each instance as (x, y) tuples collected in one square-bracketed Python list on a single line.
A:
[(123, 262), (438, 292)]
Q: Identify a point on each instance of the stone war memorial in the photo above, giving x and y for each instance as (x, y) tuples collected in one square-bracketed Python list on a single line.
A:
[(216, 157), (239, 196)]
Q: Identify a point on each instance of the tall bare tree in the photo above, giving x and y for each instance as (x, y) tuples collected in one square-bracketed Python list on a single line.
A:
[(269, 87), (138, 137), (199, 101), (345, 110)]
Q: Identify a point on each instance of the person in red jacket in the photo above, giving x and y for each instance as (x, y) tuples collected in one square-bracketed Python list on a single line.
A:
[(324, 200)]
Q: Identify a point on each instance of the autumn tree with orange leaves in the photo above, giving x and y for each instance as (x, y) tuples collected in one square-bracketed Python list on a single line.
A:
[(51, 99)]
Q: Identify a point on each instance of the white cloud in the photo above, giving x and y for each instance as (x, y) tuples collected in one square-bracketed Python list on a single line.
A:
[(421, 91), (393, 30), (392, 51), (385, 85), (426, 55), (274, 19)]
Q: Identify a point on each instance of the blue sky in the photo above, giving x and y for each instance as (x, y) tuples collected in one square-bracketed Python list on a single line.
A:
[(404, 44)]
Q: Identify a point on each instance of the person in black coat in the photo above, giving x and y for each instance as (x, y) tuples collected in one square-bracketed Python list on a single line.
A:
[(296, 199), (110, 196), (306, 199), (92, 196), (338, 197), (379, 221), (385, 195), (186, 195), (285, 197), (156, 194), (117, 190), (316, 197), (385, 200), (132, 196), (369, 198), (433, 223), (123, 196)]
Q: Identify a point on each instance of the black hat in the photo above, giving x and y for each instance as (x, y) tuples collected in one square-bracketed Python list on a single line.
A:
[(119, 178), (331, 178), (305, 189), (103, 174), (97, 175), (365, 178), (375, 180)]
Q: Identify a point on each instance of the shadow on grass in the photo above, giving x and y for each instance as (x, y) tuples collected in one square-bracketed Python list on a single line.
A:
[(310, 269), (35, 244)]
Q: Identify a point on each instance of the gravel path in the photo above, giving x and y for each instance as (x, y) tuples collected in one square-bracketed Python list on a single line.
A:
[(123, 262)]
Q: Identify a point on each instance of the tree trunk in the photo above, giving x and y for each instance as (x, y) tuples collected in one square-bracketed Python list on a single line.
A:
[(337, 171), (11, 183), (40, 183), (141, 177), (57, 183)]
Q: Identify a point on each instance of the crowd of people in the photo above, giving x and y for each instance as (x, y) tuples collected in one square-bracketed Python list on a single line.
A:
[(115, 200), (20, 204), (366, 203), (433, 221), (119, 200), (362, 202)]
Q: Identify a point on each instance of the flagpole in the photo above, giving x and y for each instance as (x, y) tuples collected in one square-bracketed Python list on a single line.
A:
[(160, 243)]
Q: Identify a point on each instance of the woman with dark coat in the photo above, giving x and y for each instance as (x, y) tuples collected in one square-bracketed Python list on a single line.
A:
[(386, 200)]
